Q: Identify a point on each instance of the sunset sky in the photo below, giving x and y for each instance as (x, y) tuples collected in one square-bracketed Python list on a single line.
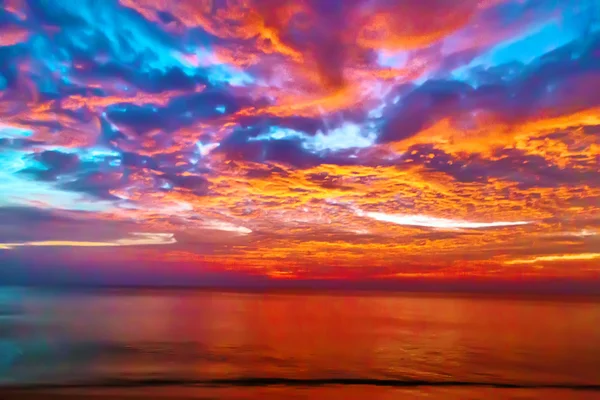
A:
[(222, 140)]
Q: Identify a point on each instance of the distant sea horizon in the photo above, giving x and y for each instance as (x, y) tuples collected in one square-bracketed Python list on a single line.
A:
[(484, 287)]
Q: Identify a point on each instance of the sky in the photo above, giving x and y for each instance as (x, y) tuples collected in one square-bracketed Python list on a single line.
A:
[(220, 141)]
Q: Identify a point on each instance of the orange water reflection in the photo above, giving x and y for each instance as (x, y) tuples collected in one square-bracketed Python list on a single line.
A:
[(208, 335)]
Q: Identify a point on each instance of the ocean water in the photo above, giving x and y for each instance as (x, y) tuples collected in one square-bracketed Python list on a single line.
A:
[(202, 344)]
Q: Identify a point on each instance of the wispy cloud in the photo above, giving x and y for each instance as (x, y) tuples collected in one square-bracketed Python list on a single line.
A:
[(555, 258), (436, 223), (136, 239), (227, 227)]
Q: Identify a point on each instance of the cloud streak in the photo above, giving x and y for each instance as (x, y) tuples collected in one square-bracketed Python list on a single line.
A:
[(135, 239), (556, 258), (437, 223)]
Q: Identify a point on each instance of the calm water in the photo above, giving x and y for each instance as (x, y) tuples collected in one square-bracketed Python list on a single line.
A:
[(226, 342)]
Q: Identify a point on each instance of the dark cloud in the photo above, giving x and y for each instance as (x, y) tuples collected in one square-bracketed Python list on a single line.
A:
[(180, 112), (510, 165), (195, 184), (96, 183), (289, 152), (58, 161), (53, 164), (135, 160), (152, 81), (32, 224), (17, 143), (302, 124), (558, 83), (266, 172), (423, 106)]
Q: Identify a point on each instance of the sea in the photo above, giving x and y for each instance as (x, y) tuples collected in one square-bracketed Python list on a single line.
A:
[(201, 344)]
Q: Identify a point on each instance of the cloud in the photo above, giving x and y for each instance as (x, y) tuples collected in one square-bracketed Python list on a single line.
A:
[(258, 128), (227, 227), (584, 233), (135, 239), (551, 86), (510, 165), (181, 111), (555, 258), (436, 223)]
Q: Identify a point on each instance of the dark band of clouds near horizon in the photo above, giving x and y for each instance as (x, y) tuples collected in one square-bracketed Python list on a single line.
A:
[(363, 140)]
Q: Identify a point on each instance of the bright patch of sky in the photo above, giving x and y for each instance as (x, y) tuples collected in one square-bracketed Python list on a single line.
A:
[(205, 149), (227, 227), (10, 132), (21, 190), (433, 222), (525, 49), (347, 136), (392, 59)]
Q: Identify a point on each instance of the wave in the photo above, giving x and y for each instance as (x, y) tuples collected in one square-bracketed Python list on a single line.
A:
[(277, 381)]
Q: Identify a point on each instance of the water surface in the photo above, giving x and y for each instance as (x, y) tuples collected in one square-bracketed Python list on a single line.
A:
[(291, 345)]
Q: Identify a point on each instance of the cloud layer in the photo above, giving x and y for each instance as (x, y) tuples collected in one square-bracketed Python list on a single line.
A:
[(306, 139)]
